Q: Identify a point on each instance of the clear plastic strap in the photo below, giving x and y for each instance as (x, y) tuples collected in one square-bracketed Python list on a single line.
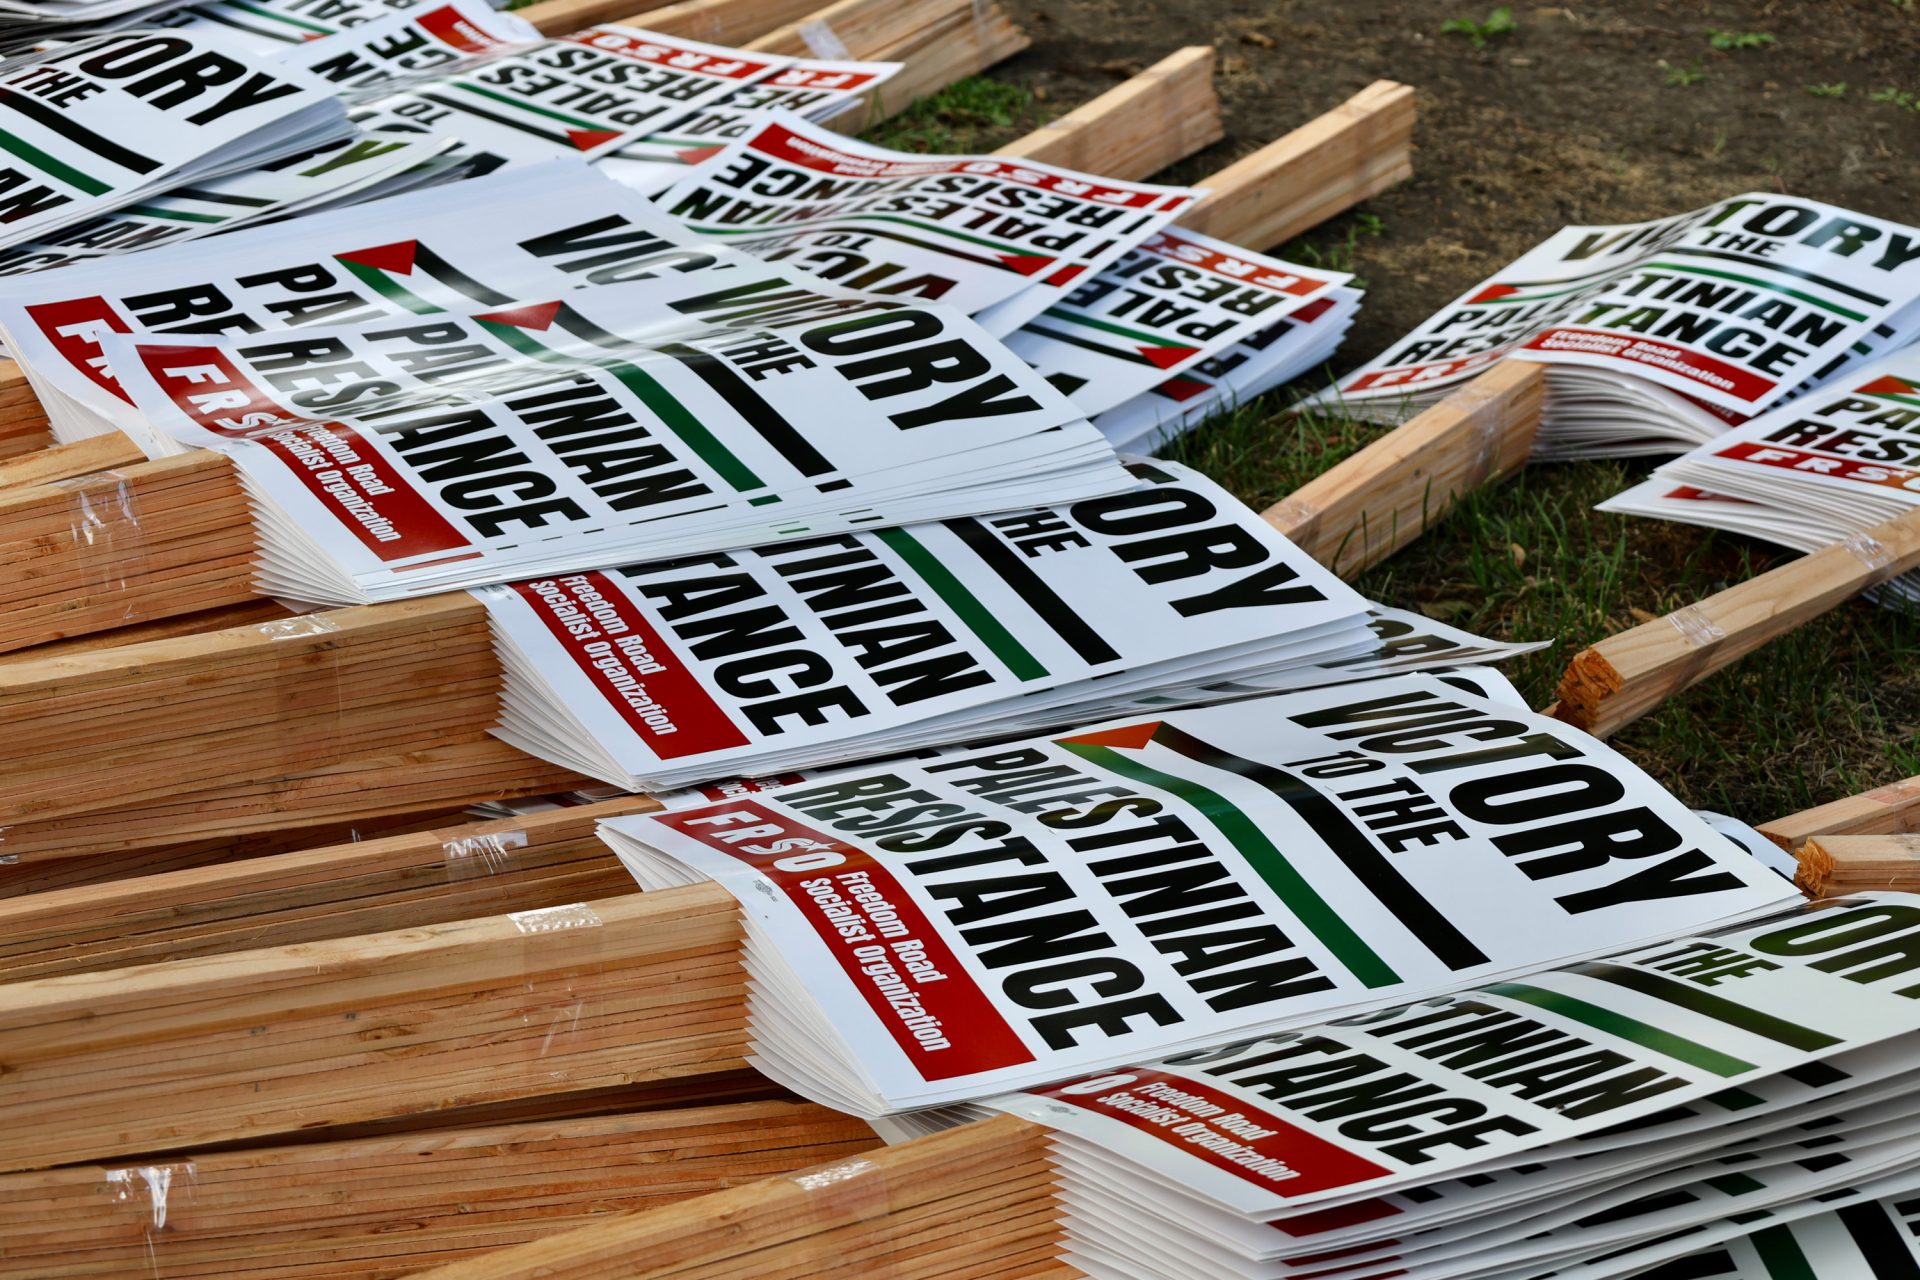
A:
[(306, 691), (1868, 550), (823, 41), (1895, 792), (855, 1236), (152, 1186), (108, 545), (472, 857), (572, 915), (1695, 627), (313, 624)]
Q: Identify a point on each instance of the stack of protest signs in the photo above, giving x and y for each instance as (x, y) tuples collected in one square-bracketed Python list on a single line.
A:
[(680, 415), (1588, 1120), (1000, 239), (109, 121), (425, 42), (924, 934), (802, 653), (810, 88), (549, 228), (1179, 302), (1826, 468), (1661, 335), (589, 94), (350, 172), (26, 23)]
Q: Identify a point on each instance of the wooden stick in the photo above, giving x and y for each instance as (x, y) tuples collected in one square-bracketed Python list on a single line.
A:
[(401, 881), (1840, 864), (1888, 810), (1331, 163), (1374, 502), (1170, 108), (379, 1206), (929, 1189), (940, 41), (1615, 682), (254, 1043)]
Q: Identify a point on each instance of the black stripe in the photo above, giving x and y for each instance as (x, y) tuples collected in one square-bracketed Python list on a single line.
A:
[(1688, 996), (887, 233), (1880, 1242), (1694, 1266), (1033, 591), (1779, 268), (221, 197), (445, 272), (1034, 326), (1349, 843), (466, 108), (1816, 1075), (747, 402), (73, 131)]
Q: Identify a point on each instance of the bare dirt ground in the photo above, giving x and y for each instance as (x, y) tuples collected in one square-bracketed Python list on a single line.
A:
[(1583, 113)]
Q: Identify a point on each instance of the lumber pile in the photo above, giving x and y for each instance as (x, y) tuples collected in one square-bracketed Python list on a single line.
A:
[(252, 1044), (974, 1202), (1613, 683), (386, 1206)]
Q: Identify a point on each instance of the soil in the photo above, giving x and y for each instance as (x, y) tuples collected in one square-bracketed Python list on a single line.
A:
[(1574, 116)]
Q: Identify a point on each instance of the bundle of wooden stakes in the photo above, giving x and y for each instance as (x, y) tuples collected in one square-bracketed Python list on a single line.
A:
[(355, 713)]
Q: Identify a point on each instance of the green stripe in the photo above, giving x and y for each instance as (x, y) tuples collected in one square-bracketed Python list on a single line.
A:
[(1780, 1254), (1882, 395), (1281, 876), (1072, 317), (257, 11), (978, 617), (523, 105), (48, 164), (1808, 298), (383, 284), (1644, 1034), (1531, 297), (692, 432), (178, 215)]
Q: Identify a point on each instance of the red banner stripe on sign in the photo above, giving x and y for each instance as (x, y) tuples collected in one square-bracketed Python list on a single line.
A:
[(890, 950)]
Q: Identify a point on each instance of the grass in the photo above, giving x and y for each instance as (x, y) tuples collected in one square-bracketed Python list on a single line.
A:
[(1831, 709)]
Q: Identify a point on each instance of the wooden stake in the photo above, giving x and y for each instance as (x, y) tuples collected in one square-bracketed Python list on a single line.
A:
[(1615, 682), (1839, 864), (1369, 505), (1888, 810), (377, 1207), (886, 1208)]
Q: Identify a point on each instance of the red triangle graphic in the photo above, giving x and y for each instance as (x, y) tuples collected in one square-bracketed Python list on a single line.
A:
[(535, 315), (1889, 386), (1493, 293), (588, 139), (396, 257), (1167, 357), (1131, 737), (694, 155), (1181, 388), (1065, 275), (1026, 264)]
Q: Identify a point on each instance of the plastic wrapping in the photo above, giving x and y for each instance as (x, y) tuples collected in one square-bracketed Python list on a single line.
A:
[(823, 41), (1695, 627), (305, 691), (853, 1231), (1868, 550), (109, 546)]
